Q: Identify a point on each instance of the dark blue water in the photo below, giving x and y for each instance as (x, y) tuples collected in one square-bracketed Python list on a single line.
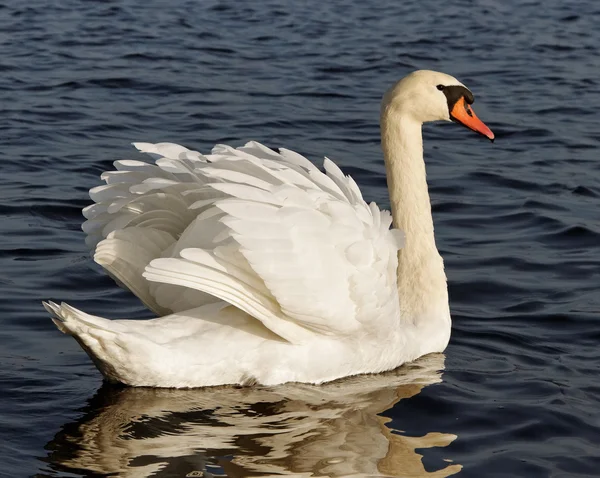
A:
[(517, 223)]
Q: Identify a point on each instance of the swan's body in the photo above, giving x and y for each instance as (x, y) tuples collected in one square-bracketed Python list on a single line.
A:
[(266, 269)]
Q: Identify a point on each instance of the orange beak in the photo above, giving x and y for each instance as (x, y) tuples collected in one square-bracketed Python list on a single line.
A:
[(463, 113)]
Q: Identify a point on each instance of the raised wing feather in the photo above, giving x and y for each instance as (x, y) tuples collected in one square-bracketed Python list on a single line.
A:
[(296, 248)]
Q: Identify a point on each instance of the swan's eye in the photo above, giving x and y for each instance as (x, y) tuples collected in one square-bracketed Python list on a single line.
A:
[(440, 87)]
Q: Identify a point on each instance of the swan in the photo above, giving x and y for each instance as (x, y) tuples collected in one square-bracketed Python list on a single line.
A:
[(261, 268)]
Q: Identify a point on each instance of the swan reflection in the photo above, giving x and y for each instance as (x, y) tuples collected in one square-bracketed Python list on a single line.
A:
[(294, 429)]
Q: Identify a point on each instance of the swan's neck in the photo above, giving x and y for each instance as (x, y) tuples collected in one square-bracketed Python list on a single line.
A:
[(422, 286)]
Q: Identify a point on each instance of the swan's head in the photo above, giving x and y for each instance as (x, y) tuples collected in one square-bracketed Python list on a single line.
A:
[(432, 96)]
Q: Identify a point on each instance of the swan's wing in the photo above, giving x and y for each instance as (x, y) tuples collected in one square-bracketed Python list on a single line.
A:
[(297, 249), (139, 215)]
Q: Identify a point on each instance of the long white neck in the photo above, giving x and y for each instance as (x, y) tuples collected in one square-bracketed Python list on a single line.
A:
[(422, 285)]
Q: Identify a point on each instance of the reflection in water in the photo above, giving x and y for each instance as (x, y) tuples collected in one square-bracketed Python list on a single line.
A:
[(328, 430)]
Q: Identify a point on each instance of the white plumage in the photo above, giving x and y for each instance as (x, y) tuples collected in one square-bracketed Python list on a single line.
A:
[(263, 268)]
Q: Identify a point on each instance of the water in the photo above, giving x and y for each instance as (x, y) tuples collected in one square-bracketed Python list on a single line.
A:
[(517, 223)]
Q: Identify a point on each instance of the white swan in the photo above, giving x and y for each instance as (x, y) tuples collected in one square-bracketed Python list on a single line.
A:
[(267, 270)]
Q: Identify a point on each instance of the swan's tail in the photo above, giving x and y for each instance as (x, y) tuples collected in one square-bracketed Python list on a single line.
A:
[(72, 321), (106, 341)]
